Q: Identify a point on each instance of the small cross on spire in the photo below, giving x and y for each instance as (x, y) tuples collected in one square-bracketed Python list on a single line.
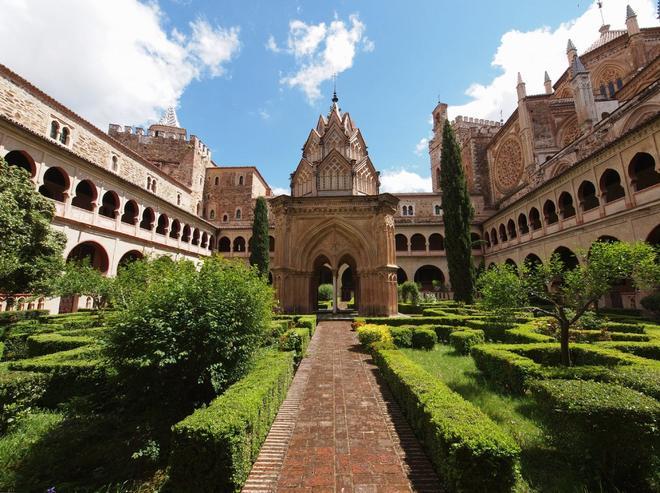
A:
[(334, 88)]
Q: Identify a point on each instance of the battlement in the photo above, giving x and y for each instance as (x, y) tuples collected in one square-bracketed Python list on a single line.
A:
[(157, 134), (468, 121)]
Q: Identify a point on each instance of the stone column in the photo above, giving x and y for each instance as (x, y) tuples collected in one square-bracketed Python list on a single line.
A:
[(334, 292)]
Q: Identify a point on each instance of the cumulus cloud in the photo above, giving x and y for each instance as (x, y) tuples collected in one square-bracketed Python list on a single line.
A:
[(422, 146), (280, 191), (402, 181), (111, 61), (321, 50), (533, 52)]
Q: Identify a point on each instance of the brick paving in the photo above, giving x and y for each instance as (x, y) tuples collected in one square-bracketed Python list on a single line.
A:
[(344, 432)]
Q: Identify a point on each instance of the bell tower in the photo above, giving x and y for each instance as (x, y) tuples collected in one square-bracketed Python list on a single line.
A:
[(435, 144)]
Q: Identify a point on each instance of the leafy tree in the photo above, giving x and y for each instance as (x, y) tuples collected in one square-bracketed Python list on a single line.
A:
[(191, 334), (569, 293), (502, 290), (79, 278), (457, 215), (325, 292), (260, 239), (410, 292), (30, 250), (133, 277)]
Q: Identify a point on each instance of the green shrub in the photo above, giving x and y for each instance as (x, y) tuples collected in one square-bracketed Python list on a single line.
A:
[(369, 334), (464, 340), (622, 327), (326, 292), (652, 302), (469, 451), (295, 340), (19, 391), (423, 338), (191, 334), (214, 448), (526, 333), (14, 316), (454, 320), (410, 292), (634, 312), (605, 426), (409, 309), (401, 336), (650, 350), (70, 373), (494, 330), (2, 349), (308, 322), (504, 368), (443, 331), (53, 343)]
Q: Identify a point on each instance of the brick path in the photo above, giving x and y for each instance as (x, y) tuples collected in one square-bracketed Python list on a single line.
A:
[(339, 429)]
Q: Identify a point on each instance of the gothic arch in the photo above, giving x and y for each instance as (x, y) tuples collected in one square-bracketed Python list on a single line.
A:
[(354, 242)]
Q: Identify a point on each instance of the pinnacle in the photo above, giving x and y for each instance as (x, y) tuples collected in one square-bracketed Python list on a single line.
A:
[(169, 118), (570, 46), (630, 12), (546, 77)]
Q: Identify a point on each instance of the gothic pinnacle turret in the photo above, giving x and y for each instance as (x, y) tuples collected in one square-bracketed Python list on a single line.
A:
[(631, 21), (547, 83), (520, 88)]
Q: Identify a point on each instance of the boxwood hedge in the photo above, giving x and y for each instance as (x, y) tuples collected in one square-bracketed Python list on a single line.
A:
[(41, 344), (464, 340), (19, 390), (213, 449), (424, 338), (469, 451)]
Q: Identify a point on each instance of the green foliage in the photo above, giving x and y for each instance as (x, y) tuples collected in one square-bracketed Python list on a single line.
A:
[(424, 338), (444, 331), (606, 427), (260, 242), (308, 322), (410, 292), (464, 340), (79, 278), (325, 292), (296, 340), (214, 448), (502, 290), (19, 392), (30, 250), (402, 336), (129, 284), (470, 452), (12, 316), (370, 334), (49, 343), (192, 333), (458, 215)]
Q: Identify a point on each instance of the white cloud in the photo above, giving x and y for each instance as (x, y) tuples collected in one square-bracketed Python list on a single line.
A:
[(320, 51), (280, 191), (111, 61), (264, 114), (402, 181), (533, 52), (271, 44), (422, 146)]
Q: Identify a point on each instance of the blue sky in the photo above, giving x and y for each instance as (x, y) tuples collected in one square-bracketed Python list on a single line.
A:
[(228, 66)]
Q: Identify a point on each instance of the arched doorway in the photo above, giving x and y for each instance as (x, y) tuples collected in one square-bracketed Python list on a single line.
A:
[(322, 276), (347, 282), (129, 257), (23, 160), (568, 258), (429, 277), (401, 276), (92, 253)]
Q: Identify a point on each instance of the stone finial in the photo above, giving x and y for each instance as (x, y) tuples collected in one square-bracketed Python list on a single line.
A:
[(520, 88), (520, 81), (547, 83), (630, 12), (631, 21), (570, 46), (578, 67), (169, 118)]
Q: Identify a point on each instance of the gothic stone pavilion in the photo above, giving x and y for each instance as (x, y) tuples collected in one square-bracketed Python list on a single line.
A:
[(576, 163)]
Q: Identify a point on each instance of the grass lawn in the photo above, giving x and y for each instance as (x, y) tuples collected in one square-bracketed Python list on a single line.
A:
[(543, 467)]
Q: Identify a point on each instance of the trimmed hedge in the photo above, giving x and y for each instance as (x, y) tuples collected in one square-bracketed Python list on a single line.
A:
[(11, 317), (454, 320), (19, 391), (464, 340), (469, 451), (214, 448), (526, 334), (424, 338), (71, 373), (604, 426), (370, 334), (296, 340), (308, 322), (54, 343), (402, 336), (650, 350), (504, 368)]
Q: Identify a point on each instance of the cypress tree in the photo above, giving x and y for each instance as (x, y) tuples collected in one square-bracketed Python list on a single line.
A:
[(458, 215), (260, 239)]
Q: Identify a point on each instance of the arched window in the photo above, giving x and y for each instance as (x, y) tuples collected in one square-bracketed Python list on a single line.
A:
[(130, 212), (185, 237), (212, 214), (522, 224), (224, 245), (404, 210), (239, 244), (534, 219), (205, 240), (401, 243), (550, 212), (568, 258), (418, 243), (487, 239), (566, 208), (85, 195), (22, 159), (109, 205), (225, 218), (240, 180), (238, 213), (175, 229), (511, 229), (148, 218), (475, 240), (178, 199), (642, 171), (587, 196), (54, 129), (153, 185), (438, 210), (211, 242), (610, 186), (64, 136), (148, 182), (216, 181), (271, 244), (503, 236), (436, 242), (115, 163), (91, 251), (163, 224), (195, 237), (493, 237), (411, 211)]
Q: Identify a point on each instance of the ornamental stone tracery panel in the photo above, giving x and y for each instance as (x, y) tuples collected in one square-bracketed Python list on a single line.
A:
[(508, 165)]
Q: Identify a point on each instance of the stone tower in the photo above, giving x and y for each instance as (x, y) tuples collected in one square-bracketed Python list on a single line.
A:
[(435, 144)]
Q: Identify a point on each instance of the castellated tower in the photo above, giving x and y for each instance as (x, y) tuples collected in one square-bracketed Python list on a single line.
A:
[(435, 144), (167, 145)]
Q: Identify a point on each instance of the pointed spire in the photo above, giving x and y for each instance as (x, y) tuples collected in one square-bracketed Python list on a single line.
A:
[(520, 88), (546, 77), (335, 99), (169, 118), (520, 81), (578, 67), (547, 83), (630, 12), (570, 46), (631, 21)]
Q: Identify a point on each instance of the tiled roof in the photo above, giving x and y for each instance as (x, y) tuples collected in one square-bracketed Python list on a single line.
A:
[(606, 37)]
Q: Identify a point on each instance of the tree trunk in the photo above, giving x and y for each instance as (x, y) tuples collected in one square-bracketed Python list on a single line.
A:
[(565, 353)]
